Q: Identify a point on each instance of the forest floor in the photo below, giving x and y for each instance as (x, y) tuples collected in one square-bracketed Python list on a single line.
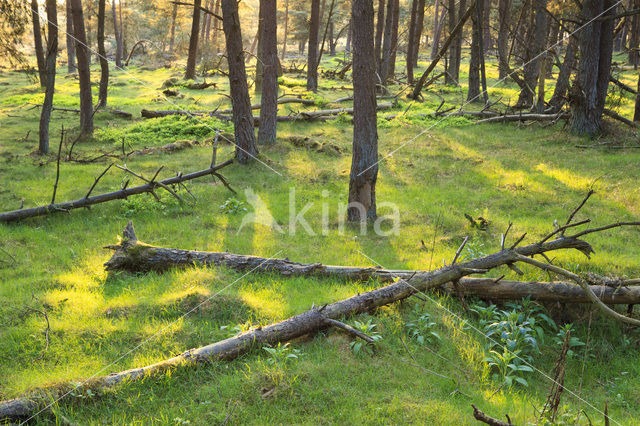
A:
[(100, 323)]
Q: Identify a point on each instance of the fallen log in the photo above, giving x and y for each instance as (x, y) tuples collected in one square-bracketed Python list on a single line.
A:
[(523, 117), (87, 201), (482, 417), (134, 256), (616, 116), (622, 85)]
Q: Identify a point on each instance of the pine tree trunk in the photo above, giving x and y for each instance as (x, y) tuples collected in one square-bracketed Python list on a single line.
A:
[(379, 31), (589, 92), (257, 81), (172, 37), (412, 34), (216, 28), (394, 40), (118, 35), (240, 101), (473, 94), (269, 55), (190, 72), (436, 31), (419, 28), (332, 41), (82, 52), (102, 53), (364, 168), (383, 68), (636, 112), (534, 49), (37, 43), (71, 51), (558, 98), (504, 12), (450, 76), (486, 26), (634, 37), (458, 42), (347, 48), (286, 29), (50, 70), (312, 50)]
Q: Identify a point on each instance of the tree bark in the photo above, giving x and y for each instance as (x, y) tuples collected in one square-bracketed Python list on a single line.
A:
[(118, 34), (50, 72), (394, 41), (82, 52), (71, 51), (312, 50), (242, 118), (332, 41), (458, 41), (536, 44), (257, 81), (286, 30), (589, 92), (419, 28), (216, 28), (636, 112), (269, 100), (486, 26), (634, 37), (102, 53), (451, 74), (558, 99), (383, 69), (436, 30), (37, 43), (379, 31), (364, 161), (172, 36), (473, 93), (412, 35), (504, 12), (190, 72)]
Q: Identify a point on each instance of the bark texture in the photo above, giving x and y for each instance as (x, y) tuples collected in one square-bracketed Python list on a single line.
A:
[(102, 53), (534, 48), (312, 50), (118, 34), (504, 12), (364, 167), (71, 50), (50, 72), (269, 100), (451, 73), (82, 52), (37, 42), (242, 117), (190, 72)]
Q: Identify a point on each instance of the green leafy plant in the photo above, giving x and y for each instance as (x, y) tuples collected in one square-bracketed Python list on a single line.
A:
[(509, 366), (422, 328), (368, 328), (574, 342), (233, 206), (280, 354)]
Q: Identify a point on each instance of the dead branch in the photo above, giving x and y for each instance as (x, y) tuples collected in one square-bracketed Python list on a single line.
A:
[(350, 330), (55, 185), (139, 42), (482, 417), (116, 195), (523, 117)]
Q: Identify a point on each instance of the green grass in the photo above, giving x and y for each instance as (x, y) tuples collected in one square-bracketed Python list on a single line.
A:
[(528, 175)]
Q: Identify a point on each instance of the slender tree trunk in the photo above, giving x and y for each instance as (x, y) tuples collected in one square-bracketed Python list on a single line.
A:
[(82, 52), (172, 37), (436, 31), (216, 28), (486, 26), (332, 41), (347, 48), (636, 112), (504, 9), (411, 40), (419, 28), (50, 70), (37, 42), (589, 92), (558, 99), (634, 37), (240, 101), (394, 40), (87, 23), (190, 72), (286, 30), (257, 81), (71, 51), (534, 58), (269, 55), (312, 50), (208, 18), (102, 53), (383, 69), (483, 75), (118, 35), (473, 94), (379, 31), (364, 168), (458, 42), (123, 39), (203, 29), (450, 76)]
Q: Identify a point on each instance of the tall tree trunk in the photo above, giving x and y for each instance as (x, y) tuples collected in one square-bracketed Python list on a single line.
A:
[(37, 42), (172, 36), (483, 75), (240, 101), (208, 18), (332, 41), (558, 98), (203, 29), (394, 40), (486, 26), (190, 72), (458, 42), (436, 31), (216, 28), (87, 24), (636, 112), (286, 30), (118, 35), (82, 52), (312, 50), (364, 168), (419, 28), (269, 55), (257, 81), (71, 50), (634, 37), (473, 94), (412, 35), (383, 68), (102, 53), (50, 70), (589, 92), (534, 49), (379, 31), (504, 11), (450, 76), (347, 47), (123, 39)]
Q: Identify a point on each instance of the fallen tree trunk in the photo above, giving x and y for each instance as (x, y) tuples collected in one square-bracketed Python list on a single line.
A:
[(134, 256), (102, 198), (317, 115), (522, 117)]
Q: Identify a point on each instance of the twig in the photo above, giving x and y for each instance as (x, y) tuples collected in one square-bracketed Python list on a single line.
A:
[(98, 178), (482, 417), (464, 243), (584, 201), (55, 185), (349, 329)]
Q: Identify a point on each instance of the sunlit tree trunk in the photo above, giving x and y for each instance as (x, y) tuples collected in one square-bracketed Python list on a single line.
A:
[(84, 76), (387, 44), (450, 77), (411, 40), (418, 36), (504, 8), (269, 55), (286, 30), (240, 101), (118, 35), (71, 50), (312, 50), (364, 168), (558, 99), (50, 70), (534, 49), (379, 31), (37, 42), (102, 53), (190, 72), (172, 37)]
